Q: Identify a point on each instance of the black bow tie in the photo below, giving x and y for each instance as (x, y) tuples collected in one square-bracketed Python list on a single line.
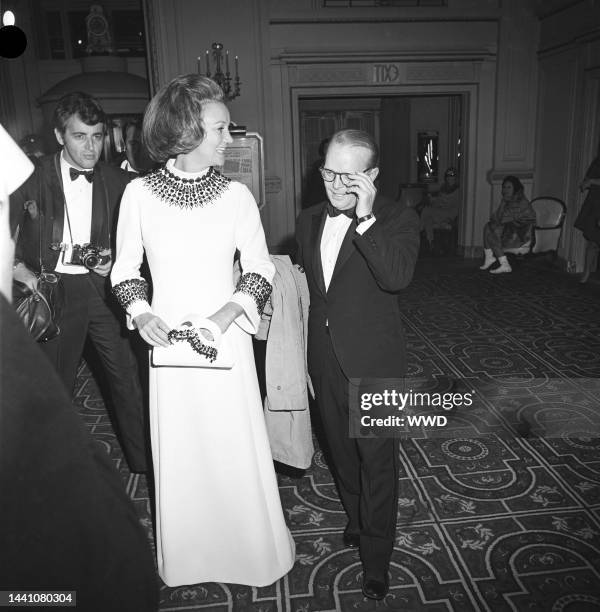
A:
[(74, 173), (332, 211)]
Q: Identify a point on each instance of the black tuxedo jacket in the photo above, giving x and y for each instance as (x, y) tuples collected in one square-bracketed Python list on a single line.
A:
[(44, 187), (361, 305)]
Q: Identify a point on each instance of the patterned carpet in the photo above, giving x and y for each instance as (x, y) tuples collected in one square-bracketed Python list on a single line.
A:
[(499, 509)]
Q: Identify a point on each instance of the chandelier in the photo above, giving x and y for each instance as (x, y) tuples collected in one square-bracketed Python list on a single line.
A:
[(223, 79)]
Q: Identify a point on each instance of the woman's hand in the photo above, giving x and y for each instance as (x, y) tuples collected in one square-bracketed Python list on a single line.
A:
[(23, 274), (226, 315), (152, 329)]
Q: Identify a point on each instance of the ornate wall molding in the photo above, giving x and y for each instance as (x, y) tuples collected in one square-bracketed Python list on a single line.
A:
[(347, 56), (329, 74), (517, 88), (440, 72), (384, 73)]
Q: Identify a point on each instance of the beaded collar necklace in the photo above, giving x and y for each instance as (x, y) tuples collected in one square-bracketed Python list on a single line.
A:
[(186, 193)]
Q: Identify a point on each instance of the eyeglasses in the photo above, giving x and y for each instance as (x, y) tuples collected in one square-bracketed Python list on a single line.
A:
[(329, 175)]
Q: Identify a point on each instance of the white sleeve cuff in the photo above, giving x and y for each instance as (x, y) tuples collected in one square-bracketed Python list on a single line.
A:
[(249, 320), (365, 225), (134, 309)]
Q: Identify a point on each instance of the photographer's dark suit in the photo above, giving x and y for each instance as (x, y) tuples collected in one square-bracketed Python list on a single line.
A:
[(355, 331), (88, 307)]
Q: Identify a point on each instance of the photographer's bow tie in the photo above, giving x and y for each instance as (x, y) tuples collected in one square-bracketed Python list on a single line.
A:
[(332, 211), (74, 173)]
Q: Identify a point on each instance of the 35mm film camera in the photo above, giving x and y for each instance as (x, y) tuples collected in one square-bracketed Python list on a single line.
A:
[(87, 255)]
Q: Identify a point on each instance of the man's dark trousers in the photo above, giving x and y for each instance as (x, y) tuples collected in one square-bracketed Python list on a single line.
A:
[(87, 296), (369, 465), (87, 313)]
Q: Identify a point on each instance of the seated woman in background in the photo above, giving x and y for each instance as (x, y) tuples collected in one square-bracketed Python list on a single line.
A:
[(442, 206), (510, 226)]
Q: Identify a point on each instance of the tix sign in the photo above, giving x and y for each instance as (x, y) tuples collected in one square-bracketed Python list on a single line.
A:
[(386, 73)]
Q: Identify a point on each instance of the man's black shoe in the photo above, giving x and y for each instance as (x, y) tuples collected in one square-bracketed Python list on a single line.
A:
[(351, 540), (375, 589)]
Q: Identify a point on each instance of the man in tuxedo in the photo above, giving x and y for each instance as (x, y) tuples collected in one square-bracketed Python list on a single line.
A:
[(69, 201), (358, 250)]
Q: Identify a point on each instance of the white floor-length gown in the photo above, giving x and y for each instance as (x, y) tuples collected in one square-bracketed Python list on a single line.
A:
[(218, 512)]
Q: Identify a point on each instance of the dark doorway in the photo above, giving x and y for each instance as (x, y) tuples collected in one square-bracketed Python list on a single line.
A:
[(396, 123)]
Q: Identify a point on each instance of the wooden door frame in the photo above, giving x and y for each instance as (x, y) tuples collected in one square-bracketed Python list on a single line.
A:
[(469, 102)]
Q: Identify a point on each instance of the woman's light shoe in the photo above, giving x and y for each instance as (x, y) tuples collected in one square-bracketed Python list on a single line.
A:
[(488, 260), (504, 267)]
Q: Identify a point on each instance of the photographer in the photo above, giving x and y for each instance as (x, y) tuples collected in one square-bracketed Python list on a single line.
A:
[(66, 214)]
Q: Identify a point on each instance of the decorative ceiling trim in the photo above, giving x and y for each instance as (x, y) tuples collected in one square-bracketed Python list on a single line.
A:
[(386, 15), (300, 56)]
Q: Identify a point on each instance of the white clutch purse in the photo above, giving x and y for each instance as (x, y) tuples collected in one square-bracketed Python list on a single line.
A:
[(190, 349)]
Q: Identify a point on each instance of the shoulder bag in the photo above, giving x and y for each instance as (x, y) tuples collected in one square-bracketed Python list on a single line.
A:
[(40, 310)]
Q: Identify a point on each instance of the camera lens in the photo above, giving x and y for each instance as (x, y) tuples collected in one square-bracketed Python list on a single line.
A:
[(91, 261)]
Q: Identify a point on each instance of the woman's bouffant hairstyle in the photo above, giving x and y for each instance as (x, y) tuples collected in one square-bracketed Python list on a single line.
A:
[(358, 138), (173, 119), (88, 109), (516, 183)]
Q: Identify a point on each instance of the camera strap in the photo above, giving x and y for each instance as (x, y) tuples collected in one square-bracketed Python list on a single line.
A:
[(41, 222), (62, 190), (106, 208)]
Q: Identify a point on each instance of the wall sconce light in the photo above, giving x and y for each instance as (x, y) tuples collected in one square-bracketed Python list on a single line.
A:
[(223, 79)]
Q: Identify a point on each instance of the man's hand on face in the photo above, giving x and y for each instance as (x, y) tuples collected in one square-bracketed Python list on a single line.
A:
[(361, 185)]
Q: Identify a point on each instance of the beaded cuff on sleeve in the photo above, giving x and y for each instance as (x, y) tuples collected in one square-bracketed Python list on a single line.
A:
[(129, 291), (257, 287)]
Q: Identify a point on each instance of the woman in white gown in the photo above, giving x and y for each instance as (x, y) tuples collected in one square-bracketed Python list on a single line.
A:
[(218, 512)]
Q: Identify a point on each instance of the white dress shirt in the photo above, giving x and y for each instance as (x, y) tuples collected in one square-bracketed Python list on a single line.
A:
[(125, 165), (78, 211), (331, 241)]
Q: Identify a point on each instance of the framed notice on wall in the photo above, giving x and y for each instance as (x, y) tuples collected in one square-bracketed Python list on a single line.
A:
[(244, 162)]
